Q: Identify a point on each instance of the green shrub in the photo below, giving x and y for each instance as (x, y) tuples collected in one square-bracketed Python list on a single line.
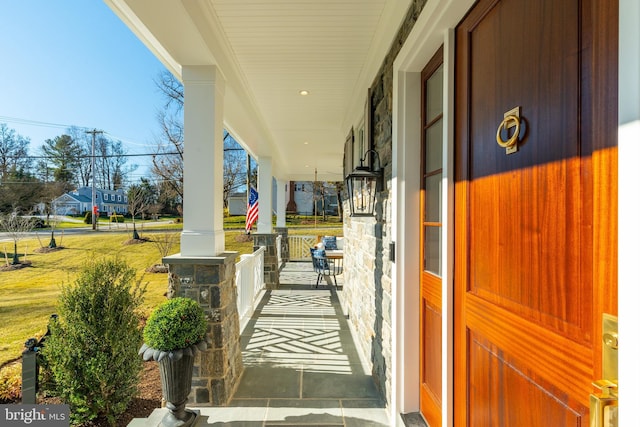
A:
[(116, 218), (92, 349), (177, 220), (88, 218), (10, 383), (175, 324)]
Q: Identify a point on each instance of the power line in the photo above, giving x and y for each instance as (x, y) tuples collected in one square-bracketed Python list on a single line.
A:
[(166, 153)]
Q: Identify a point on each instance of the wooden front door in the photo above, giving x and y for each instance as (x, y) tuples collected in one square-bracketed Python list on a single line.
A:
[(535, 231)]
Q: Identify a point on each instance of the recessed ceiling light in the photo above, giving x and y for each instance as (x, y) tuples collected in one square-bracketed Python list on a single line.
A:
[(306, 143), (304, 92)]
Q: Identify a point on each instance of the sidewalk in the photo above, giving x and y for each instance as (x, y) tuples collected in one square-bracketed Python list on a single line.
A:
[(301, 366)]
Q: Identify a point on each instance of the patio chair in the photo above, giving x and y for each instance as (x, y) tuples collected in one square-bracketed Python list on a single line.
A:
[(325, 266)]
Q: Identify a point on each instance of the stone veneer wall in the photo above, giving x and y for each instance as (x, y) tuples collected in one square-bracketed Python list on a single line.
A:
[(366, 295), (271, 267), (211, 282)]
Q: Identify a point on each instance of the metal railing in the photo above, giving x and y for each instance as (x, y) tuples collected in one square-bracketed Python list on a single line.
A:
[(250, 283), (299, 247)]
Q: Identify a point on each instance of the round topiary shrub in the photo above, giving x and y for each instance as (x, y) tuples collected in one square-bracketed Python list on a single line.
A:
[(176, 324)]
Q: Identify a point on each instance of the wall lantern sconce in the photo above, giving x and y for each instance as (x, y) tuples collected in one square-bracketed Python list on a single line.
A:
[(363, 184)]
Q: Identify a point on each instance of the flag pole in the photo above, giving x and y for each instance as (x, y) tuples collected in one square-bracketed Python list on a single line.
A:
[(248, 190)]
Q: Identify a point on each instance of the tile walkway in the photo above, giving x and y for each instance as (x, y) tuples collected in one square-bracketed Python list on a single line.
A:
[(302, 367)]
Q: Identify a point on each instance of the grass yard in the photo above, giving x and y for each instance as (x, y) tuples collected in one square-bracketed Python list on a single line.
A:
[(28, 296)]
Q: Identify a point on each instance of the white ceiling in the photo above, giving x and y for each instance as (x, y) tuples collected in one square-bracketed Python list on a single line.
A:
[(270, 50)]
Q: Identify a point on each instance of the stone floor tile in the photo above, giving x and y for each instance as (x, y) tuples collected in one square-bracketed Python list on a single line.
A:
[(329, 385), (268, 382), (304, 411)]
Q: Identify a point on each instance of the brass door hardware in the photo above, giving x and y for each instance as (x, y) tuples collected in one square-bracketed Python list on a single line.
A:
[(603, 405), (511, 119)]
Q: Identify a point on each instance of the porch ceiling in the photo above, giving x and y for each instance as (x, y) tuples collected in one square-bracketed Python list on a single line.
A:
[(270, 50)]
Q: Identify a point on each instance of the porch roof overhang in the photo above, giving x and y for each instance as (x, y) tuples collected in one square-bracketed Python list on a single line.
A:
[(270, 50)]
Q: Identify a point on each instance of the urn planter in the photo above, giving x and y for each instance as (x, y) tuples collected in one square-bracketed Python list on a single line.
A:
[(175, 331)]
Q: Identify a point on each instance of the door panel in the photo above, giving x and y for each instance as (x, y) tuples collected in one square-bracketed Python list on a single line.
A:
[(535, 231)]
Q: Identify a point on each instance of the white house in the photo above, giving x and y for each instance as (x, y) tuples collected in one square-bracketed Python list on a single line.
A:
[(506, 230), (303, 199)]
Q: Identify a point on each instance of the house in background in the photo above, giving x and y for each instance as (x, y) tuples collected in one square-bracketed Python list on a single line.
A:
[(79, 201), (303, 199)]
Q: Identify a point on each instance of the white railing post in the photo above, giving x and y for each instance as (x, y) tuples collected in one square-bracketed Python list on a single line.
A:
[(250, 283), (279, 250)]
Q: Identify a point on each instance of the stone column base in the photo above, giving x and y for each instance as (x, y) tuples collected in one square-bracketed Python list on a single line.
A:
[(271, 267), (211, 282)]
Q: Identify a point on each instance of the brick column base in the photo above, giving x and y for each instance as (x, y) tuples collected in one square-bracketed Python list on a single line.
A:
[(211, 282)]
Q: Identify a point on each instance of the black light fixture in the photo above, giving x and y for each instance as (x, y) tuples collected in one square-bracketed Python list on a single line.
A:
[(363, 184)]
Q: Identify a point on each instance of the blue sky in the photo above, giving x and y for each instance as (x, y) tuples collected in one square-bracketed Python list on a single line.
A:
[(73, 62)]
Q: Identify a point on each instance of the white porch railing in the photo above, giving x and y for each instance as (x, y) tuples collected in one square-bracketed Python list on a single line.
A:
[(279, 250), (299, 247), (250, 284)]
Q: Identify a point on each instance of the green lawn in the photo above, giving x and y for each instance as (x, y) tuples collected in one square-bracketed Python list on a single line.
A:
[(28, 296)]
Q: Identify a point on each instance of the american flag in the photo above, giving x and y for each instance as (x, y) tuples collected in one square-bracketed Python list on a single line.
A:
[(252, 209)]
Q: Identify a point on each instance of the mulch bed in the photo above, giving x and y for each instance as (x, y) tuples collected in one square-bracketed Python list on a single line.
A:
[(12, 267), (157, 268), (135, 241), (47, 249), (149, 398)]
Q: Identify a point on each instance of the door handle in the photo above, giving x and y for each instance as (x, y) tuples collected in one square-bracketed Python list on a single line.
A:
[(606, 397)]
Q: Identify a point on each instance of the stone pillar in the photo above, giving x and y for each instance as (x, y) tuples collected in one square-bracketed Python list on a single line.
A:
[(271, 267), (211, 282), (284, 232), (265, 183), (203, 233)]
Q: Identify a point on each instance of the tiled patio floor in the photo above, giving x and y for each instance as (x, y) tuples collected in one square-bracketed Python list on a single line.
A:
[(301, 364)]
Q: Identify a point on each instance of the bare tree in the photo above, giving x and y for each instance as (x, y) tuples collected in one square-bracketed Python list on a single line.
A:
[(14, 149), (17, 227), (83, 140), (234, 172), (165, 242), (53, 223), (168, 161), (139, 199)]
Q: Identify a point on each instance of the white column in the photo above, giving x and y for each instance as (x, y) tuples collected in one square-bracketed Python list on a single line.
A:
[(628, 209), (265, 208), (203, 233), (281, 205)]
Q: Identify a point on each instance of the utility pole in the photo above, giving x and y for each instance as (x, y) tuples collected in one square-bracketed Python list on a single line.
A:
[(94, 204)]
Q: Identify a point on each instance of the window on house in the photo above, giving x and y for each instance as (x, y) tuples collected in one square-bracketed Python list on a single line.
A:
[(119, 198), (113, 197), (105, 197), (432, 150), (299, 187)]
